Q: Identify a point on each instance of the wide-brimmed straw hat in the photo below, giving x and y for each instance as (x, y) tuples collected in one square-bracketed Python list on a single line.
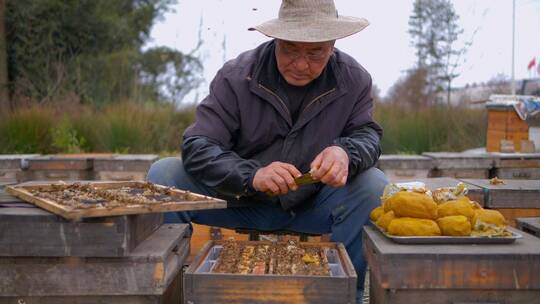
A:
[(310, 21)]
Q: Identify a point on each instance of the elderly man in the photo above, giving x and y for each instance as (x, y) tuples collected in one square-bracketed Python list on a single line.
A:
[(295, 104)]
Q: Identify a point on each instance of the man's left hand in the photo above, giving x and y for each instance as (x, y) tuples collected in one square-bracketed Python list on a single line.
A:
[(331, 166)]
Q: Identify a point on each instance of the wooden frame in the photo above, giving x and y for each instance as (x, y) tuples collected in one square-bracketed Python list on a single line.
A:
[(194, 202), (239, 288)]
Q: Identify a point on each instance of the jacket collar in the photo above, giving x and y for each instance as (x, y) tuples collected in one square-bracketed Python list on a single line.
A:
[(265, 80)]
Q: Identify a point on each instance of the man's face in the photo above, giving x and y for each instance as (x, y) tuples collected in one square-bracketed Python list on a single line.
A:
[(302, 62)]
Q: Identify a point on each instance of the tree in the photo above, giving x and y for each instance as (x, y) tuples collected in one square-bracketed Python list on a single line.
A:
[(91, 49), (411, 90), (434, 29), (4, 93)]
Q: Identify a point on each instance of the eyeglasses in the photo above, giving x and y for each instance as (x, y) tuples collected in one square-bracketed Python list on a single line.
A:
[(317, 56)]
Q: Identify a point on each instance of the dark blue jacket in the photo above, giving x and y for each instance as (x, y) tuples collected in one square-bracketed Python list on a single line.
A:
[(244, 124)]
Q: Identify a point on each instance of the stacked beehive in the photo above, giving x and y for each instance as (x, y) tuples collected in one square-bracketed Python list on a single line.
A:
[(124, 259)]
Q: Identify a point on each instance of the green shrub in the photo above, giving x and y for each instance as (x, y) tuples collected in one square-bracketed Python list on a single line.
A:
[(440, 128), (27, 131), (66, 139)]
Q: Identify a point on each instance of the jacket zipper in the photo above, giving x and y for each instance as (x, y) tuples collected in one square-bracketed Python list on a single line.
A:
[(316, 98), (277, 96), (307, 106)]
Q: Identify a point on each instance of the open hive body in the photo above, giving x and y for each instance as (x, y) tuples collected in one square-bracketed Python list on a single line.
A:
[(282, 272)]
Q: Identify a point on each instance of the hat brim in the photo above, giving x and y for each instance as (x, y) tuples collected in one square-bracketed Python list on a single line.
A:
[(315, 31)]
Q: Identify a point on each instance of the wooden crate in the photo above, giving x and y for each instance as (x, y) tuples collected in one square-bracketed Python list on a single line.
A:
[(461, 165), (146, 272), (512, 194), (505, 124), (172, 295), (204, 287), (441, 274), (530, 225), (404, 167), (11, 166), (35, 232), (518, 166), (123, 167)]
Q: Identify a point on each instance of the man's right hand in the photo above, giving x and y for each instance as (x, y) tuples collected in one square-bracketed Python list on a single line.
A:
[(277, 178)]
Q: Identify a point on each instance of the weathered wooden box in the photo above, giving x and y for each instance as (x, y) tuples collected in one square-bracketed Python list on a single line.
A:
[(461, 165), (518, 166), (530, 225), (123, 167), (405, 167), (57, 167), (11, 166), (144, 276), (515, 198), (201, 285), (458, 273), (35, 232), (505, 124)]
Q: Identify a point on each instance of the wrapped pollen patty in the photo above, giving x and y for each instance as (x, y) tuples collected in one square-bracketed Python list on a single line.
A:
[(461, 206), (412, 204), (376, 213), (488, 222), (385, 219), (406, 226), (454, 225)]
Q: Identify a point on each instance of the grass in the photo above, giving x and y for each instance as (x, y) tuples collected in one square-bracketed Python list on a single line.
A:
[(129, 127)]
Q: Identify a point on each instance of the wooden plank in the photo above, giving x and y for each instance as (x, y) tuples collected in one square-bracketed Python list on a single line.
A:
[(14, 161), (59, 162), (530, 225), (194, 202), (511, 194), (36, 232), (143, 272), (54, 175), (398, 161), (233, 288), (470, 267), (511, 214), (460, 173), (381, 295), (120, 175), (172, 295), (126, 163), (452, 160), (518, 160), (518, 173)]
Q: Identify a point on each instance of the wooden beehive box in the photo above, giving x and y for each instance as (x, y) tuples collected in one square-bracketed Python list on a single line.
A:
[(123, 167), (12, 165), (460, 165), (530, 225), (452, 273), (31, 232), (515, 198), (201, 285), (148, 275), (518, 166), (505, 124), (57, 167), (405, 167)]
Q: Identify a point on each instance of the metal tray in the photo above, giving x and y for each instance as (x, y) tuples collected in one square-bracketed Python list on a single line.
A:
[(451, 239)]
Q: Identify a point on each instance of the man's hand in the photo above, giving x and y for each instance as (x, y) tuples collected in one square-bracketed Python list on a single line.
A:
[(331, 166), (276, 178)]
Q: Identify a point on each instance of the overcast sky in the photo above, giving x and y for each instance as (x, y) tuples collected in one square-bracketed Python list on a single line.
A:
[(383, 48)]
